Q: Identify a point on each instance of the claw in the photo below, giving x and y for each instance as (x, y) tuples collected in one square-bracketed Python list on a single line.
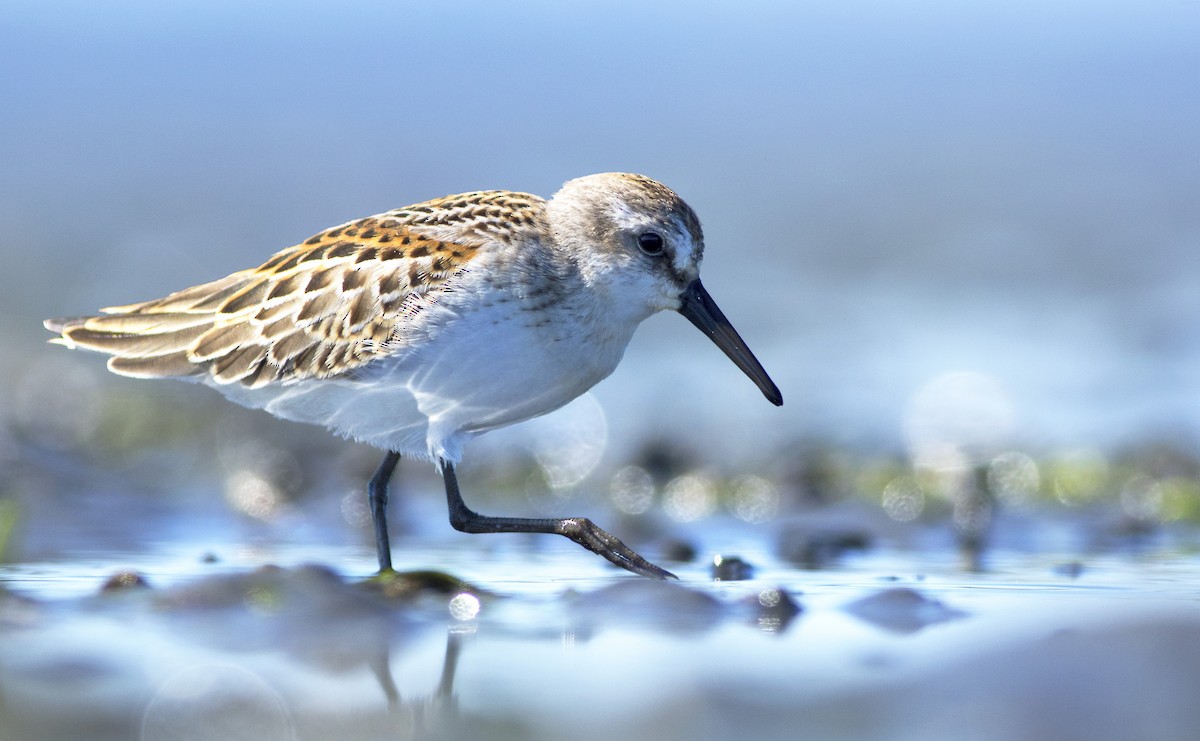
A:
[(601, 542)]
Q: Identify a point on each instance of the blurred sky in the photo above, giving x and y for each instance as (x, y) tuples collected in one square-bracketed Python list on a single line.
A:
[(1008, 192)]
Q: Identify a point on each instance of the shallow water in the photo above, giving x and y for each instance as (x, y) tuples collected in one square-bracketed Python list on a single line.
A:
[(153, 594), (550, 642)]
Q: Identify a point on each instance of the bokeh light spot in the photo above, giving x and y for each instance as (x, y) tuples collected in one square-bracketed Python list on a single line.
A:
[(253, 494), (754, 499), (1142, 498), (903, 499), (957, 420), (216, 701), (1078, 476), (1013, 478), (689, 498), (464, 606), (569, 443), (632, 490), (355, 509)]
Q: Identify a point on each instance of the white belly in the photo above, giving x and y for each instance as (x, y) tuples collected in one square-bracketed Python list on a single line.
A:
[(475, 371)]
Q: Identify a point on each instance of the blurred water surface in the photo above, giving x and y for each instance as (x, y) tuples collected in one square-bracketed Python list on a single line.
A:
[(886, 647)]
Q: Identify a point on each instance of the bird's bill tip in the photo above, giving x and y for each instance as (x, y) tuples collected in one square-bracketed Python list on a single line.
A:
[(700, 309)]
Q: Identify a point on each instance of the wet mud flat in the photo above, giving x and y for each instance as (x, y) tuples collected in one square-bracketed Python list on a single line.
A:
[(844, 601), (883, 647)]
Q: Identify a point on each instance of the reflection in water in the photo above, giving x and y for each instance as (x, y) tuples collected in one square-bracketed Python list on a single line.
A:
[(278, 653), (301, 654), (902, 610), (263, 655), (775, 610), (429, 716), (213, 701)]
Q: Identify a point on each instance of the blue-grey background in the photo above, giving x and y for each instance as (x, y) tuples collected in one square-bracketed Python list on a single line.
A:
[(891, 192)]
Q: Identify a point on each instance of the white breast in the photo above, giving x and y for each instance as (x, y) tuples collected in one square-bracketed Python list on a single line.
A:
[(476, 365)]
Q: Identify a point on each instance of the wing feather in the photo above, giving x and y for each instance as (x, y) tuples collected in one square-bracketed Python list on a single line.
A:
[(168, 365), (239, 363), (320, 309), (134, 345), (287, 347)]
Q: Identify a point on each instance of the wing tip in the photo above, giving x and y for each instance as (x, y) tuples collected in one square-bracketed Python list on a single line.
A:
[(59, 325)]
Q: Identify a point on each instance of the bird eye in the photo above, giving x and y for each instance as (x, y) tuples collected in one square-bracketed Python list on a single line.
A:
[(651, 243)]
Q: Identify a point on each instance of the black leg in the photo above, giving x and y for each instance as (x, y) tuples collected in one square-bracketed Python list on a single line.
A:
[(377, 497), (579, 529)]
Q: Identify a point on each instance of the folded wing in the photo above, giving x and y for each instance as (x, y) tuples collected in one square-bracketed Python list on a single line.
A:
[(320, 309)]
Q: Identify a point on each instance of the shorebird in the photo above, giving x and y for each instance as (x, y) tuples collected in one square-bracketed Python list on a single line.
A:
[(417, 329)]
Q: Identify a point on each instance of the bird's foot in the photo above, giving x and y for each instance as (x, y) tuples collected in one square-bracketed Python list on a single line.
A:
[(598, 540)]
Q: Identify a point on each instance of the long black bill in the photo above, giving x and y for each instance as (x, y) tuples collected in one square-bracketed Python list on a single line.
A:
[(701, 310)]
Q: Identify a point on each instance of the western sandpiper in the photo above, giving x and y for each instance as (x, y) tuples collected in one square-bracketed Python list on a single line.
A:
[(420, 328)]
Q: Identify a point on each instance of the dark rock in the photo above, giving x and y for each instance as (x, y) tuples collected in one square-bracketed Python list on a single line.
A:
[(731, 568), (123, 581)]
